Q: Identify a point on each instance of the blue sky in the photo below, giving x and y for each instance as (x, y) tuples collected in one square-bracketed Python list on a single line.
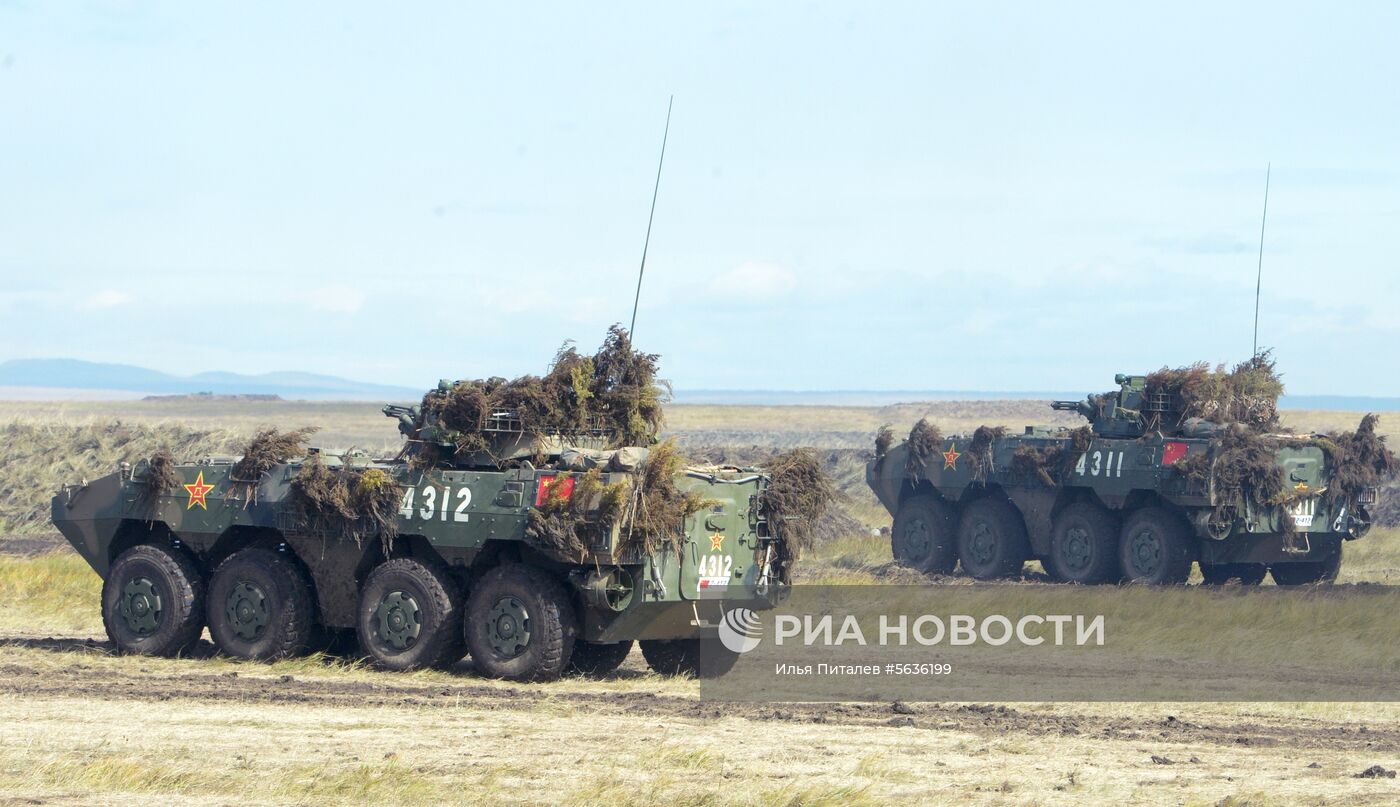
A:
[(868, 196)]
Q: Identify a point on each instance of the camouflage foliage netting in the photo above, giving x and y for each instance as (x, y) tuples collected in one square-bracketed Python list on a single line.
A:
[(925, 440), (795, 500), (356, 502), (1247, 394), (159, 479), (614, 391)]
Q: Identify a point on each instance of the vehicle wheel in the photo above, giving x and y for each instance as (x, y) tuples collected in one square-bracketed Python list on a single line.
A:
[(1155, 548), (520, 624), (1084, 545), (702, 658), (410, 616), (153, 602), (597, 659), (260, 606), (1302, 574), (992, 540), (1218, 574), (924, 535)]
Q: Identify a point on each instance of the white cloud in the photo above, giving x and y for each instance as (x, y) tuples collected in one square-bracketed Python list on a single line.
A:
[(336, 299), (107, 298), (756, 281)]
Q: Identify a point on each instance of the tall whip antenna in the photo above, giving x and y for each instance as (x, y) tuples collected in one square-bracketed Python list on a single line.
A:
[(1259, 278), (632, 329)]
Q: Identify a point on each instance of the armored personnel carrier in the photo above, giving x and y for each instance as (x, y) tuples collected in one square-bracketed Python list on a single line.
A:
[(537, 548), (1140, 494), (458, 569)]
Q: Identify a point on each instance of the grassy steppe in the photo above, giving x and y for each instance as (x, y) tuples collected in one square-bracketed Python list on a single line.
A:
[(78, 725)]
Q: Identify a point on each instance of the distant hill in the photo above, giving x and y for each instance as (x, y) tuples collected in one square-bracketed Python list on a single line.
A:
[(62, 379), (72, 374), (1339, 403)]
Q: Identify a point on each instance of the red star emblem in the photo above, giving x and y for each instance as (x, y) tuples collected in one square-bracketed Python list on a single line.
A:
[(716, 542), (197, 493), (950, 457)]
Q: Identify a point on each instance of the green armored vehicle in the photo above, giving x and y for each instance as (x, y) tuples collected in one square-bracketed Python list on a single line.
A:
[(460, 573), (1140, 494), (538, 548)]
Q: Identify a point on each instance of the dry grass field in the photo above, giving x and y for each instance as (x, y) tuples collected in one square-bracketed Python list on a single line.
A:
[(80, 725)]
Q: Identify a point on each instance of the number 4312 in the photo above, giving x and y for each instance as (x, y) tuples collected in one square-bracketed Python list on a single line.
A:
[(434, 501)]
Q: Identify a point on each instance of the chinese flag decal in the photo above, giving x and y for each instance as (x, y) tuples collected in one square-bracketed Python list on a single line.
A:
[(1173, 452), (547, 483)]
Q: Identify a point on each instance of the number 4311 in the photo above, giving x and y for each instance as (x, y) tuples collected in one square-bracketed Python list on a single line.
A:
[(434, 501), (1100, 463)]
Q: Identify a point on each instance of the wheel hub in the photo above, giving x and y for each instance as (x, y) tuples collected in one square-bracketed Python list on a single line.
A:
[(246, 609), (983, 544), (398, 620), (1146, 551), (508, 627), (141, 606), (916, 539), (1076, 548)]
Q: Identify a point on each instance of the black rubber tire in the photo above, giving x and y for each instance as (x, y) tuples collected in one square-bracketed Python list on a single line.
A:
[(176, 581), (439, 601), (596, 659), (992, 540), (1155, 548), (550, 622), (287, 598), (701, 658), (1219, 574), (1084, 545), (1322, 572), (925, 535)]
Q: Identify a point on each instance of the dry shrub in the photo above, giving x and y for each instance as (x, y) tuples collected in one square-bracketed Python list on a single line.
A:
[(1358, 460), (797, 496), (1079, 441), (1037, 462), (1246, 468), (925, 441), (160, 478), (655, 510), (270, 447), (562, 524), (1387, 511), (1044, 463), (321, 497), (1247, 394), (979, 451), (375, 498), (624, 388), (615, 391), (1196, 469), (346, 501), (883, 440), (37, 456)]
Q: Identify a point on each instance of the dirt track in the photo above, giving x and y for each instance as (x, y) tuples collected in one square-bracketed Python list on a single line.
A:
[(28, 545), (188, 680)]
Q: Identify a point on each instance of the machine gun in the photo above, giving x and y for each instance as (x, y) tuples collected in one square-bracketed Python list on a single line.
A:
[(406, 415), (1085, 408)]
